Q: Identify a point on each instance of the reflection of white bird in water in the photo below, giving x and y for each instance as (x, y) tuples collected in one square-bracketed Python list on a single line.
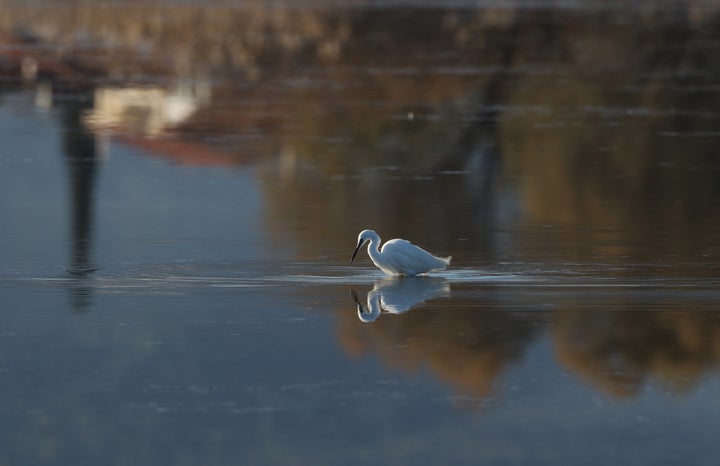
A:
[(397, 296), (399, 257)]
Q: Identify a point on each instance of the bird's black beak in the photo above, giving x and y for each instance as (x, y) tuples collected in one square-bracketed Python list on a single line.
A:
[(357, 248), (358, 304), (355, 298)]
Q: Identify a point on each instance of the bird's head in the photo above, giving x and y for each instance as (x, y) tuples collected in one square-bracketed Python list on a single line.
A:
[(363, 237)]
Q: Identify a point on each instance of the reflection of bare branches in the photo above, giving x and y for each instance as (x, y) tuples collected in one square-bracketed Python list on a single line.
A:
[(476, 150)]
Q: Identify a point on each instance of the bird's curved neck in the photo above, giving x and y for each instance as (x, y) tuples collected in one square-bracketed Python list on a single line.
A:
[(373, 309), (374, 246)]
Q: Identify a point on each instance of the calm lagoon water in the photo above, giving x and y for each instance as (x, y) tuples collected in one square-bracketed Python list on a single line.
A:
[(176, 225)]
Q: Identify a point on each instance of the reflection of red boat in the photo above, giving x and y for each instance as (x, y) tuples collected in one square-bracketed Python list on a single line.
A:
[(21, 63), (148, 117), (184, 152)]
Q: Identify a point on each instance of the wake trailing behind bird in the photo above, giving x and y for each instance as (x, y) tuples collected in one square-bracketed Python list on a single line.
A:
[(399, 257)]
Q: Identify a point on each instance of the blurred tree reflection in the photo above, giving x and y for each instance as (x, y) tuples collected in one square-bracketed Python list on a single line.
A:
[(598, 121), (468, 345), (617, 347), (619, 350), (590, 134), (609, 142)]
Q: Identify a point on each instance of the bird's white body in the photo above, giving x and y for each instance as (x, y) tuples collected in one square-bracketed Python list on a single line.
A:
[(399, 257)]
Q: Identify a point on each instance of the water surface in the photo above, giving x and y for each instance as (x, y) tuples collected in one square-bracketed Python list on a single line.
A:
[(178, 212)]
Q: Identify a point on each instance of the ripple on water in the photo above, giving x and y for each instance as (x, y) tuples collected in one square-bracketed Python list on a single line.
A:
[(172, 279)]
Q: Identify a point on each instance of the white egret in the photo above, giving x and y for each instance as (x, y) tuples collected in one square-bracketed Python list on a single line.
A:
[(398, 256)]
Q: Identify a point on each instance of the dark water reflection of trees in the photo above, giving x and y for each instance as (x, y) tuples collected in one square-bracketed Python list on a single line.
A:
[(583, 134), (620, 349), (616, 343)]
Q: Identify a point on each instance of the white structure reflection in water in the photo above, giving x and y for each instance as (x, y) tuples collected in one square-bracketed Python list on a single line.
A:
[(398, 256), (147, 110), (399, 295)]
